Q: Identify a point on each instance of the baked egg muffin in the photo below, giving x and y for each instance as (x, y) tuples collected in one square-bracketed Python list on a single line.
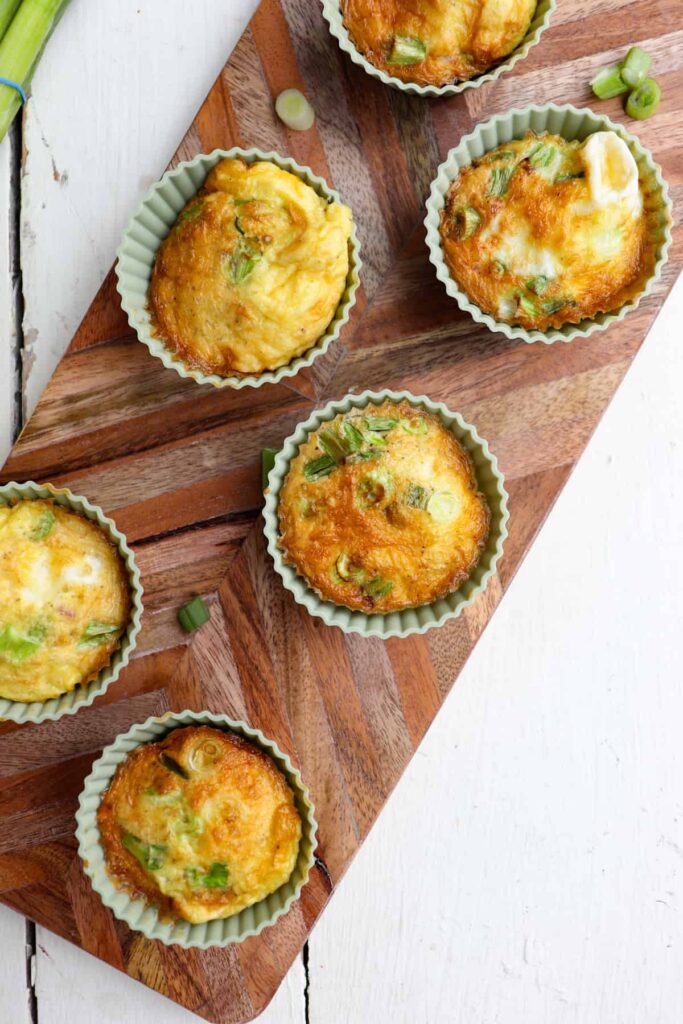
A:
[(252, 272), (380, 509), (436, 42), (65, 600), (201, 823), (541, 231)]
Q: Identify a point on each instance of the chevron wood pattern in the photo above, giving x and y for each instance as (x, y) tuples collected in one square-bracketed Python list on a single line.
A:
[(178, 468)]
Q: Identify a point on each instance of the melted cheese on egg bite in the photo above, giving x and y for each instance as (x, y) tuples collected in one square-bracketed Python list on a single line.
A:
[(64, 600), (380, 510), (202, 823), (434, 42), (542, 231), (252, 272)]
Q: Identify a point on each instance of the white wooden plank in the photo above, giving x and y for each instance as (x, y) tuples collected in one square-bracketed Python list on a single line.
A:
[(528, 868), (116, 88), (75, 988), (14, 1002)]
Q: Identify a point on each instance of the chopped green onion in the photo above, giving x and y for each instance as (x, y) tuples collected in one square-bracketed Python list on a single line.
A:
[(635, 66), (191, 212), (306, 508), (499, 267), (542, 156), (376, 439), (550, 306), (644, 101), (293, 108), (215, 878), (383, 424), (443, 507), (374, 487), (415, 425), (527, 306), (97, 633), (407, 50), (151, 855), (193, 615), (331, 443), (500, 179), (44, 525), (378, 587), (417, 496), (20, 49), (268, 456), (242, 260), (316, 469), (347, 570), (465, 221), (174, 766), (609, 83), (371, 453), (538, 285), (354, 438), (569, 177), (504, 154), (18, 648), (7, 12)]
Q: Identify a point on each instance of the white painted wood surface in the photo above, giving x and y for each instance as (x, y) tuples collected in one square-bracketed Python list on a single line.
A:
[(526, 870)]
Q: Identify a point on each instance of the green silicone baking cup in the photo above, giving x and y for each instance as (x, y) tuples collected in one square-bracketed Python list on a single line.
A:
[(81, 696), (540, 21), (410, 620), (571, 123), (151, 223), (142, 916)]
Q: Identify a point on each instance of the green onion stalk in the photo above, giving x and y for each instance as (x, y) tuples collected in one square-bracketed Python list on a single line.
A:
[(26, 26)]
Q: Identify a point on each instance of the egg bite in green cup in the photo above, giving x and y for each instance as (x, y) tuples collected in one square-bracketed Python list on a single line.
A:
[(215, 800), (239, 268), (385, 514), (548, 223), (70, 602)]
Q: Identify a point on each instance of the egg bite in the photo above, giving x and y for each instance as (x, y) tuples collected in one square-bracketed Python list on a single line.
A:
[(380, 510), (65, 600), (252, 272), (542, 231), (436, 42), (201, 823)]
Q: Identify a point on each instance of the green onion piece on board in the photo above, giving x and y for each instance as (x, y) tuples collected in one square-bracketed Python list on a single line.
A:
[(407, 50), (415, 425), (635, 66), (268, 456), (609, 82), (465, 222), (193, 615), (644, 101), (294, 110), (316, 469), (152, 856), (44, 525), (215, 878), (417, 496)]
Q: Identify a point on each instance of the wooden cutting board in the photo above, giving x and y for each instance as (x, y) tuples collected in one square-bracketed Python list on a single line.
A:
[(178, 467)]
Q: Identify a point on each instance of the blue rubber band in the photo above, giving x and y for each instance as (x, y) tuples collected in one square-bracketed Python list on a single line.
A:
[(14, 85)]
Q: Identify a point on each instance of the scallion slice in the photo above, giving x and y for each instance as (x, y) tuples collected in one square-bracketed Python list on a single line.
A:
[(378, 587), (16, 647), (193, 615), (293, 108), (538, 285), (44, 525), (465, 221), (347, 571), (527, 306), (500, 180), (635, 67), (417, 496), (644, 101), (504, 154), (242, 260), (542, 156), (375, 487), (268, 456), (407, 50), (570, 177), (550, 306), (333, 445), (353, 436), (499, 267), (415, 425), (609, 82), (443, 507), (151, 855), (316, 469), (97, 633), (382, 424)]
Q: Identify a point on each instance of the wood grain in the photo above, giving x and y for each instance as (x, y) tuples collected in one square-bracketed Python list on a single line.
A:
[(178, 468)]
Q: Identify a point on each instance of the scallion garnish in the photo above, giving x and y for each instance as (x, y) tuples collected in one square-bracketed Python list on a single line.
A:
[(609, 82), (347, 571), (215, 878), (378, 587), (500, 180), (644, 101), (242, 260), (382, 424), (353, 436), (268, 456), (465, 221), (333, 445), (406, 50), (97, 633), (415, 425), (44, 525), (550, 306), (499, 267), (373, 488), (293, 108), (538, 285), (151, 855), (635, 67), (16, 647), (443, 507), (417, 496), (191, 212), (193, 615), (527, 306), (316, 469), (542, 155), (570, 177)]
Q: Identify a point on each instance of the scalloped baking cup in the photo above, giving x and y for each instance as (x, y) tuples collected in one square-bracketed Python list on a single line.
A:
[(142, 916), (151, 223), (410, 620), (571, 123), (334, 18), (81, 696)]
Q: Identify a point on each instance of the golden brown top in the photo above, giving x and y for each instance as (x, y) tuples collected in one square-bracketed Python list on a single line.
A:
[(434, 42), (543, 232), (201, 823), (380, 509), (252, 272), (64, 600)]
